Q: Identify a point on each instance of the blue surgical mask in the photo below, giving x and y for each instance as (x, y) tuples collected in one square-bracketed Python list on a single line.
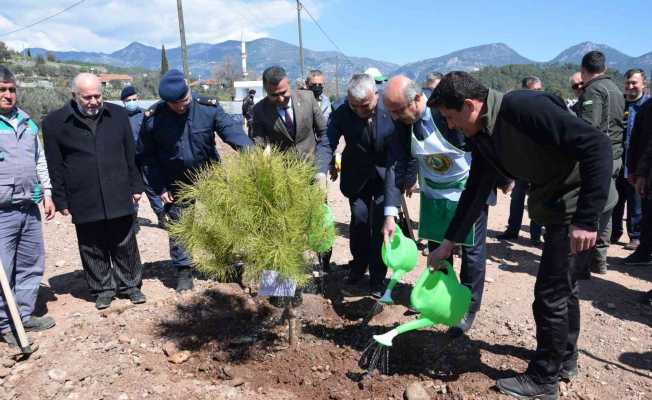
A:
[(131, 105)]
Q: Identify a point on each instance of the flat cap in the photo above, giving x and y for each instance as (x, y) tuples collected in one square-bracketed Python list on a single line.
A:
[(127, 91), (172, 86)]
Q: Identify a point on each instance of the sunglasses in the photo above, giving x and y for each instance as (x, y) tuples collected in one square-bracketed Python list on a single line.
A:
[(577, 86), (7, 89)]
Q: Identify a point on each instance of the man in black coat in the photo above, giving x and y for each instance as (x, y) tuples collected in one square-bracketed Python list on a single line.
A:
[(367, 129), (90, 153)]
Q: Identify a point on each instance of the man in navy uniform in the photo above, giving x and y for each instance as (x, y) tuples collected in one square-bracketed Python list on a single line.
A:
[(178, 138)]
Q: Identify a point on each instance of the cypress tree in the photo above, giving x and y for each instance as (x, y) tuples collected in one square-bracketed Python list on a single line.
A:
[(164, 61)]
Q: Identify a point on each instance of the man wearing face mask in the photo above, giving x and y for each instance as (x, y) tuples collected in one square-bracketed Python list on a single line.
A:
[(367, 129), (90, 154), (129, 98), (177, 139), (315, 82)]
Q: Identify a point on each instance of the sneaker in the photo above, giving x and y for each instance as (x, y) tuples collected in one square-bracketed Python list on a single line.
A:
[(38, 324), (638, 259), (184, 280), (568, 373), (633, 244), (508, 235), (103, 301), (524, 387), (136, 296), (599, 267), (462, 327), (11, 339)]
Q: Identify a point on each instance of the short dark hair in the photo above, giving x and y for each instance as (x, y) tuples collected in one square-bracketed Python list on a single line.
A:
[(633, 71), (6, 75), (313, 73), (529, 81), (594, 62), (273, 75), (454, 88)]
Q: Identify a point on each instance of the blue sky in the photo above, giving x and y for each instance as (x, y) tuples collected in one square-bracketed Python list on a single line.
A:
[(406, 31), (398, 31)]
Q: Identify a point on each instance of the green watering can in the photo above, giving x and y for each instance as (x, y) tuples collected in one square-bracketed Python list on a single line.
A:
[(322, 236), (439, 298), (401, 257)]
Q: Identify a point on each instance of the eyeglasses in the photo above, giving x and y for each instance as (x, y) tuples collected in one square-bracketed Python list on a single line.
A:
[(7, 89), (577, 86)]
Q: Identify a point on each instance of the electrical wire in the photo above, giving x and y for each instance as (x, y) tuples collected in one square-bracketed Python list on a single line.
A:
[(43, 19), (325, 34)]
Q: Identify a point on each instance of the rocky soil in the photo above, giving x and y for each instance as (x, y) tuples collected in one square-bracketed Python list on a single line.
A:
[(220, 341)]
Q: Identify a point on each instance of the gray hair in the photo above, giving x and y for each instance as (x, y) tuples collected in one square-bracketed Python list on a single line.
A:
[(530, 81), (360, 86), (273, 75), (313, 73), (84, 77), (6, 75), (410, 91), (433, 77)]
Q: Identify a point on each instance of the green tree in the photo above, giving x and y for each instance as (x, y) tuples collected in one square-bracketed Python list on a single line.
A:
[(29, 53), (5, 53), (164, 61), (51, 57)]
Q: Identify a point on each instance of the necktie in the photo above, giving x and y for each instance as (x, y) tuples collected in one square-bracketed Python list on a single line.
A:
[(288, 122)]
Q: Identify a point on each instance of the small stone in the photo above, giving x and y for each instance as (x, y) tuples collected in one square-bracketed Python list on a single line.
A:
[(180, 357), (169, 348), (416, 391), (57, 375), (123, 396), (8, 362), (60, 263), (489, 280), (123, 339), (633, 339), (237, 382), (4, 372)]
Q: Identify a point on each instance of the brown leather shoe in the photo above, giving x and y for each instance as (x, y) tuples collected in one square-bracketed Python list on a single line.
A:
[(632, 245)]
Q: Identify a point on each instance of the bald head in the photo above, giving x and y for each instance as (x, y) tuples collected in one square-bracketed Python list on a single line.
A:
[(403, 99), (87, 93)]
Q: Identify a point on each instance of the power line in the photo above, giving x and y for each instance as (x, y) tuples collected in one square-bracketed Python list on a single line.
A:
[(326, 34), (43, 19)]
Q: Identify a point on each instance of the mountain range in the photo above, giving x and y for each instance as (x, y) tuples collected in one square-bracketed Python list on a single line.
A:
[(203, 58)]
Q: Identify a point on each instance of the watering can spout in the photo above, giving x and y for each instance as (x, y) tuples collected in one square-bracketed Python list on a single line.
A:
[(386, 338)]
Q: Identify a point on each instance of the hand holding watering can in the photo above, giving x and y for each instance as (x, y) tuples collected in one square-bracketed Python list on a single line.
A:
[(437, 259)]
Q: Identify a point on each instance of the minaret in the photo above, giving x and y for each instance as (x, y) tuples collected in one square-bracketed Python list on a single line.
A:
[(244, 58)]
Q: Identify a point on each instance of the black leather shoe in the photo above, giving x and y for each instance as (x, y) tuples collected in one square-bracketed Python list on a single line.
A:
[(462, 327), (524, 387), (37, 324), (103, 301), (162, 220), (136, 296), (11, 339), (568, 373), (184, 280), (599, 267)]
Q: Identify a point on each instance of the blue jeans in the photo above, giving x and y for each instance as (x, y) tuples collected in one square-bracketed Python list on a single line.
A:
[(516, 211), (627, 196), (23, 257)]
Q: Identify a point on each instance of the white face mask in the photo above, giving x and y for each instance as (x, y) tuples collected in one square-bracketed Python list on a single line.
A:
[(131, 105)]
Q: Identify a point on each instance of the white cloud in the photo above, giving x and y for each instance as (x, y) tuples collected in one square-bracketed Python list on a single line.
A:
[(98, 25)]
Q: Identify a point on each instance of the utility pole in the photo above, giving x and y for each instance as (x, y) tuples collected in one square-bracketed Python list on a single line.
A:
[(300, 38), (182, 33)]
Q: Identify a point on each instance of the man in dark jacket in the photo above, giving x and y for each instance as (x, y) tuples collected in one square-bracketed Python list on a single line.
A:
[(90, 154), (367, 129), (639, 163), (248, 111), (178, 139), (129, 98), (530, 135), (602, 105)]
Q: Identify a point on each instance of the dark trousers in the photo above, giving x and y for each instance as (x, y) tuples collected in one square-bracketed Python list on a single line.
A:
[(516, 207), (474, 259), (107, 243), (627, 198), (556, 307), (646, 227), (365, 236), (178, 253), (154, 200)]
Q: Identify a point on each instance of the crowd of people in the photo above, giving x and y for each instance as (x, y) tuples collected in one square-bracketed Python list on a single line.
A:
[(452, 140)]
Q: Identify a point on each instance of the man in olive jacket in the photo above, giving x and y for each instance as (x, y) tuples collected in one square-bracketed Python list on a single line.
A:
[(90, 153), (530, 135), (602, 105)]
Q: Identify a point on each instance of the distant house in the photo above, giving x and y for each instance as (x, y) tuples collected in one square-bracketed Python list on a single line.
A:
[(205, 84), (35, 84), (116, 80)]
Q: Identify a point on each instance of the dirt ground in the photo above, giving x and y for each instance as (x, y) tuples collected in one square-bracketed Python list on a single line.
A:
[(232, 345)]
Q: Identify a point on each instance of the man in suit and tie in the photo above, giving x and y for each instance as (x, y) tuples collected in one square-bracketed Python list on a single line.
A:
[(285, 119), (367, 128)]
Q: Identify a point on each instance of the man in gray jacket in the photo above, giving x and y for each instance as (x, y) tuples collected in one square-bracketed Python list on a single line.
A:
[(24, 183), (602, 105)]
